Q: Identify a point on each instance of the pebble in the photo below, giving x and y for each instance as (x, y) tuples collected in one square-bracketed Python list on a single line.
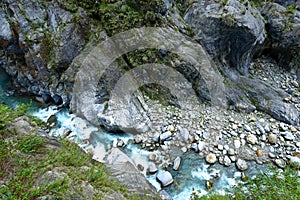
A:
[(231, 152), (165, 136), (120, 143), (184, 149), (232, 158), (251, 139), (237, 144), (241, 164), (288, 136), (220, 147), (227, 161), (267, 128), (272, 138), (293, 129), (283, 127), (177, 163), (247, 128), (194, 147), (259, 152), (295, 161), (184, 134), (280, 163), (201, 145), (171, 128), (211, 158), (206, 135), (298, 144)]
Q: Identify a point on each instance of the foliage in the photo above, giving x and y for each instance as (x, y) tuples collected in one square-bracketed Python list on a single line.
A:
[(267, 185), (118, 16)]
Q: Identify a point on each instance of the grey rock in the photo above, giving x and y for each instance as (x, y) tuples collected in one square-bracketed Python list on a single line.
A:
[(294, 161), (226, 30), (165, 178), (124, 171), (251, 139), (184, 134), (227, 161), (194, 146), (231, 152), (152, 169), (176, 163), (5, 30), (241, 164), (247, 128), (288, 136), (165, 136), (280, 163)]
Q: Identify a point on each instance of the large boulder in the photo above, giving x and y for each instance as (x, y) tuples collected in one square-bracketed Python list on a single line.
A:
[(40, 40), (124, 171), (283, 28), (230, 32)]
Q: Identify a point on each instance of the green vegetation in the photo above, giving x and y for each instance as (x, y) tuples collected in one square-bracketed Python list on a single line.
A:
[(274, 185), (32, 166), (118, 16)]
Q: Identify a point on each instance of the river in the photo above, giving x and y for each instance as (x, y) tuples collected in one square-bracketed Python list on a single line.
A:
[(193, 173)]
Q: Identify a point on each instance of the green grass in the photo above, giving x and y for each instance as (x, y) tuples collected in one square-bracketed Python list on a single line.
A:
[(271, 186), (26, 158)]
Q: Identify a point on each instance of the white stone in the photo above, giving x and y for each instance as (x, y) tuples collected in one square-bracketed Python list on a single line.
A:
[(237, 144), (211, 158), (251, 139), (165, 178), (165, 136), (227, 161), (177, 163), (295, 161), (241, 164)]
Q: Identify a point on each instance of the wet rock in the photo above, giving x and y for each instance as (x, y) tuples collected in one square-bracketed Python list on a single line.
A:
[(211, 158), (120, 143), (57, 100), (165, 178), (152, 169), (241, 164), (209, 184), (176, 163), (137, 139), (272, 138), (47, 98), (252, 139)]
